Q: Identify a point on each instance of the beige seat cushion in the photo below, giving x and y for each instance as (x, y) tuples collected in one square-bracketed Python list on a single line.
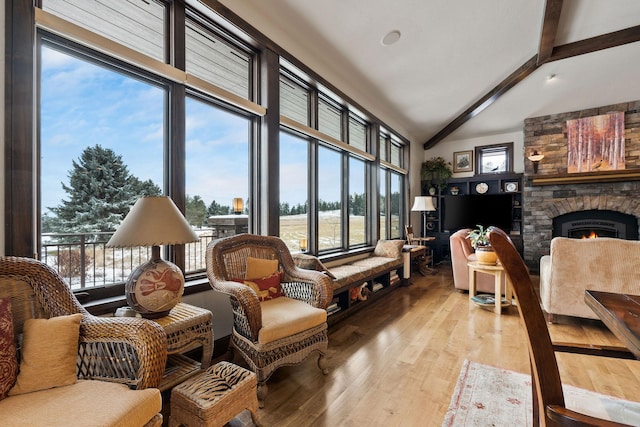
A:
[(283, 317), (86, 403)]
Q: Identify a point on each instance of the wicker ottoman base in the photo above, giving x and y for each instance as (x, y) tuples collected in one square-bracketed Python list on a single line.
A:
[(214, 397)]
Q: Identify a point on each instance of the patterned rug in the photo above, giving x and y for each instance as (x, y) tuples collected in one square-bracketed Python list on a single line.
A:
[(488, 396)]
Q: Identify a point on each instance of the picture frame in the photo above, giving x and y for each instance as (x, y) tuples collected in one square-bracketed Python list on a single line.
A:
[(463, 161), (510, 187)]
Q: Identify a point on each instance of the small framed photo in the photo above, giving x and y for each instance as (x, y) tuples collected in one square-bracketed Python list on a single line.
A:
[(463, 161), (511, 186)]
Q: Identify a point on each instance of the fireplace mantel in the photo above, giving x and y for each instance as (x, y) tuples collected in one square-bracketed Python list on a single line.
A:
[(587, 177)]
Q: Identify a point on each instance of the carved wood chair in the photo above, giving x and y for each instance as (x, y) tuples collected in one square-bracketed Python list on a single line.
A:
[(305, 293), (548, 398)]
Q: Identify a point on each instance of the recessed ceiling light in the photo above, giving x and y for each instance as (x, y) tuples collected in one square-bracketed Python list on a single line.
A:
[(551, 77), (390, 38)]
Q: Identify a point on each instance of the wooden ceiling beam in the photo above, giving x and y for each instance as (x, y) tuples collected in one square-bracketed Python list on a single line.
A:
[(514, 78), (550, 23), (593, 44)]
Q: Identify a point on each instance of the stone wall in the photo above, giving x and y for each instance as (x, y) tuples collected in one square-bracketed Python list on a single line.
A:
[(542, 203)]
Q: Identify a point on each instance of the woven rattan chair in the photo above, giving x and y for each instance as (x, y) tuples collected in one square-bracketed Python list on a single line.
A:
[(226, 260), (123, 350)]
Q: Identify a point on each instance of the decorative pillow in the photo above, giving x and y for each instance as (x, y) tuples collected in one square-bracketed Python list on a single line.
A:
[(389, 248), (310, 262), (266, 287), (49, 353), (8, 359), (258, 268)]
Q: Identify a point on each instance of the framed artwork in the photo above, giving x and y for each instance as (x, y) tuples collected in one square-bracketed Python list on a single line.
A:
[(463, 161), (596, 143)]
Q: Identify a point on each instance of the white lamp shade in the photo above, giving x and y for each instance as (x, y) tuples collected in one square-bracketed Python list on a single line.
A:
[(153, 221), (423, 203)]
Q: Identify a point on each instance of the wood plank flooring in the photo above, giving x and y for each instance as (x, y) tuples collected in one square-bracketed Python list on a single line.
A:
[(396, 362)]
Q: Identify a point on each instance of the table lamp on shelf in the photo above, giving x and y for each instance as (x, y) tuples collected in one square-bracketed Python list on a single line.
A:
[(156, 286), (423, 204)]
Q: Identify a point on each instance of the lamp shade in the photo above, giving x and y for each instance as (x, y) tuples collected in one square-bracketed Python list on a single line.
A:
[(153, 221), (423, 203)]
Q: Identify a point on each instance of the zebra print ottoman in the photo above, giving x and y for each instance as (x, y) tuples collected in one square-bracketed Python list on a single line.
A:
[(214, 397)]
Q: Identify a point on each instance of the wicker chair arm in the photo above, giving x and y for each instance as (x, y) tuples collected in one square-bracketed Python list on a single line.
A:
[(122, 349), (312, 287), (245, 304)]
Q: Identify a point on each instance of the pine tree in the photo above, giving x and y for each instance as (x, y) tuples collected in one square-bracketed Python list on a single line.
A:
[(100, 193), (216, 208), (196, 211)]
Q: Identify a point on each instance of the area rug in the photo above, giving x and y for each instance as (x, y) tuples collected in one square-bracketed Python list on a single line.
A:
[(489, 396)]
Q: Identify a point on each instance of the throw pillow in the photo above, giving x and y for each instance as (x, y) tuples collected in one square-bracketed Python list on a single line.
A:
[(310, 262), (389, 248), (49, 353), (266, 287), (258, 268), (8, 359)]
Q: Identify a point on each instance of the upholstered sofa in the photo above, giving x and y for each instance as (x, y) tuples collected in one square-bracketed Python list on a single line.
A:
[(461, 253), (73, 368), (575, 265)]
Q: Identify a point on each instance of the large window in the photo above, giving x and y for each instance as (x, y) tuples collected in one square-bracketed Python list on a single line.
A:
[(217, 172), (294, 202), (329, 199), (96, 124), (357, 202), (161, 97)]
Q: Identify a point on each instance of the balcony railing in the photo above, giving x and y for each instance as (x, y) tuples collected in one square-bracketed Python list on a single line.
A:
[(84, 261)]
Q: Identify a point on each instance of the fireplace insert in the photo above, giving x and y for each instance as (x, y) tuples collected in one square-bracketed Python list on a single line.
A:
[(596, 223)]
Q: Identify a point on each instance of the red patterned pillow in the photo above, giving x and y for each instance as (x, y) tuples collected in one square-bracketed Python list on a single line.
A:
[(267, 287), (8, 359)]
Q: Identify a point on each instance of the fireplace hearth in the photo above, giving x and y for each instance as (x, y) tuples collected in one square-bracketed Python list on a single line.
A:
[(596, 223)]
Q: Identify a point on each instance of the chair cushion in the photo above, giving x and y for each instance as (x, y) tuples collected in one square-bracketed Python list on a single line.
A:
[(258, 268), (87, 403), (283, 317), (49, 353), (8, 359)]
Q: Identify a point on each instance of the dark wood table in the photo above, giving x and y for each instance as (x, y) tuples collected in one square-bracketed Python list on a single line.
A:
[(620, 313)]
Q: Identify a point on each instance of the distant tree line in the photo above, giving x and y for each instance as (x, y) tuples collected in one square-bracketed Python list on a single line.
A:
[(101, 191)]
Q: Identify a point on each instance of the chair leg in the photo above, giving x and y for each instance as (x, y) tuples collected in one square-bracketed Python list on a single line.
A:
[(262, 393), (323, 364)]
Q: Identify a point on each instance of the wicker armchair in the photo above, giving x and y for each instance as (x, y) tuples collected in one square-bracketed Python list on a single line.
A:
[(127, 351), (226, 260)]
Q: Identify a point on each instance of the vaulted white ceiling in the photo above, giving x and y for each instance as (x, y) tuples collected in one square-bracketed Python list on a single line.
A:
[(450, 54)]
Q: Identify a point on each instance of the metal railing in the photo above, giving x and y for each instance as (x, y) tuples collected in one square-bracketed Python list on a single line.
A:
[(84, 261)]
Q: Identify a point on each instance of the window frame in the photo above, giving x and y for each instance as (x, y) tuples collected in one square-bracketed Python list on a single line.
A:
[(482, 150)]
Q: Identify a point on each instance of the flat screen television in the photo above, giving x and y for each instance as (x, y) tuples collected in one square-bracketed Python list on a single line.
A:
[(467, 211)]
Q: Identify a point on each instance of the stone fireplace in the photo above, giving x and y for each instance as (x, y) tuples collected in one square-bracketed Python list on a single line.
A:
[(552, 195)]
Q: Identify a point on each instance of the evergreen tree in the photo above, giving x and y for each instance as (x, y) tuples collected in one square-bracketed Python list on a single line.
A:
[(100, 193), (217, 209), (196, 211)]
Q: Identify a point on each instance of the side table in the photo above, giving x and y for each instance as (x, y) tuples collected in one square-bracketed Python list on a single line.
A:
[(187, 327), (498, 272)]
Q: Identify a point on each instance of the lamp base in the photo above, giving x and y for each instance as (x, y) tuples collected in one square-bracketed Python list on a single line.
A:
[(154, 288)]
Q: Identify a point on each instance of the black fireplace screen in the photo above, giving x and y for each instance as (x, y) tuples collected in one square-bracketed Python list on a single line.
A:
[(596, 223)]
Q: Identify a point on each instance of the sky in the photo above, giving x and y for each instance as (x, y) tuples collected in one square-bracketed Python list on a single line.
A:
[(83, 104)]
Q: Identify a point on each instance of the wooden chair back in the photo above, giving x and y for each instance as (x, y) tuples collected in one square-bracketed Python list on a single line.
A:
[(548, 398)]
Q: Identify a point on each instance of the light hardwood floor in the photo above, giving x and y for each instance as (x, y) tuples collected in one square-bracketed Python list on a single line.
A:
[(396, 362)]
